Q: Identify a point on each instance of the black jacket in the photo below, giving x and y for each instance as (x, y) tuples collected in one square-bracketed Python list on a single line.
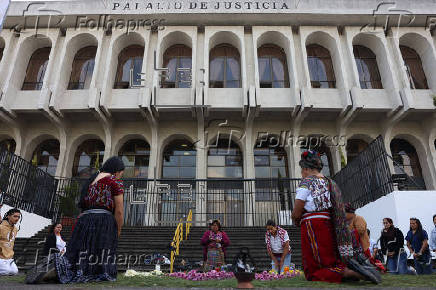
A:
[(392, 244), (50, 243)]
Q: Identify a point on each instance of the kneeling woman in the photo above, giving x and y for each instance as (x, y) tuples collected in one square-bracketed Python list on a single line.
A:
[(313, 206), (91, 254)]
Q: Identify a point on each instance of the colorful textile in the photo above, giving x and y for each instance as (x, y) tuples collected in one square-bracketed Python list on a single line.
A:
[(101, 194), (215, 259), (281, 233), (316, 193), (343, 235), (320, 258)]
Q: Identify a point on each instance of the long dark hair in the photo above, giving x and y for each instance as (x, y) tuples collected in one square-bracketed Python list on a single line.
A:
[(390, 232), (53, 227), (112, 166), (11, 212)]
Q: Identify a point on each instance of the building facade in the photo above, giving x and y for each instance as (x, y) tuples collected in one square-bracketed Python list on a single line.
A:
[(218, 89)]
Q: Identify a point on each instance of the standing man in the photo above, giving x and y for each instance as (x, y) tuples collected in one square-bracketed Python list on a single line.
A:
[(277, 244), (8, 233)]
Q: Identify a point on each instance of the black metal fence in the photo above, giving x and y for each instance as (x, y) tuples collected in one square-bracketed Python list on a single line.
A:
[(163, 202), (367, 177), (25, 186)]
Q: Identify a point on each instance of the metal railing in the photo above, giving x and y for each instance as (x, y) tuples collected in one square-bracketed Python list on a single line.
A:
[(367, 177)]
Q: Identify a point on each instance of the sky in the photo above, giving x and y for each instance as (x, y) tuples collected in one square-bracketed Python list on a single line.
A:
[(3, 7)]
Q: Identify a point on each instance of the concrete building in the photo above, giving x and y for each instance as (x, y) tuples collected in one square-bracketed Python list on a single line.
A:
[(262, 73)]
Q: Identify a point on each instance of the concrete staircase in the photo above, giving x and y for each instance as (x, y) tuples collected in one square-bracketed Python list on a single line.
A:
[(139, 245)]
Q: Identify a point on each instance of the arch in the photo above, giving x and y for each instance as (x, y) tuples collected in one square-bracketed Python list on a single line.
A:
[(135, 154), (327, 41), (273, 66), (354, 147), (406, 158), (224, 159), (425, 51), (317, 143), (270, 160), (177, 57), (88, 157), (8, 144), (36, 69), (130, 58), (414, 68), (82, 68), (174, 38), (375, 57), (321, 71), (46, 156), (225, 67), (280, 40), (121, 141), (179, 159)]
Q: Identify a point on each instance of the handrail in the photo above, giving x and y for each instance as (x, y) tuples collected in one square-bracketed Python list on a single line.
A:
[(178, 238), (175, 244), (188, 223)]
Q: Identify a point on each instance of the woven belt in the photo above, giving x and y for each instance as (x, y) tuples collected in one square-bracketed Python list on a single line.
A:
[(316, 215), (96, 210)]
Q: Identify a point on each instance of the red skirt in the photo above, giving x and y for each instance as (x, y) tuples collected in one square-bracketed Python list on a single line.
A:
[(320, 257)]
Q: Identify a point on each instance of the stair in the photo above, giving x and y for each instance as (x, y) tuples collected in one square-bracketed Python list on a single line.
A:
[(251, 237), (141, 243)]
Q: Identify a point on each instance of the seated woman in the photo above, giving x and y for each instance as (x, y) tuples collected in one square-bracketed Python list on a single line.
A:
[(277, 244), (54, 242), (214, 242), (8, 233), (392, 244)]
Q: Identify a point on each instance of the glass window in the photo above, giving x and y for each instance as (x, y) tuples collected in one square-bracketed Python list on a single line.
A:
[(88, 158), (175, 58), (322, 74), (225, 160), (83, 67), (273, 68), (413, 64), (129, 59), (366, 62), (270, 161), (36, 69), (224, 67), (46, 156), (179, 160), (136, 156), (354, 147)]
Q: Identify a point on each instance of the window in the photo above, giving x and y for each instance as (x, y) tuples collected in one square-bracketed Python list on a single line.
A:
[(179, 160), (36, 69), (88, 158), (177, 57), (8, 145), (270, 162), (46, 156), (317, 144), (224, 160), (413, 64), (322, 74), (273, 68), (136, 156), (224, 67), (354, 147), (366, 62), (83, 66), (130, 58)]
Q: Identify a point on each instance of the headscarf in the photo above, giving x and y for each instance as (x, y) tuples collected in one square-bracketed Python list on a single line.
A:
[(311, 159)]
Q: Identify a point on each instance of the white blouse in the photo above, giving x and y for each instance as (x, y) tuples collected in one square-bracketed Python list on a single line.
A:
[(60, 244)]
